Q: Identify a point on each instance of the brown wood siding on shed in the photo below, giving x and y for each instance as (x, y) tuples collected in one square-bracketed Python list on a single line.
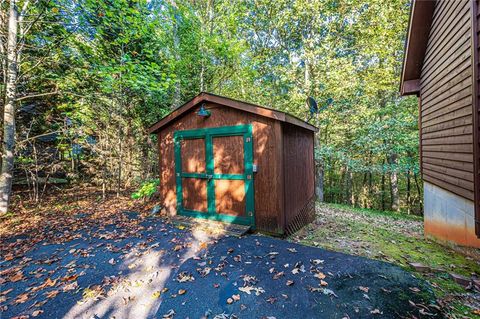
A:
[(299, 169), (267, 137), (446, 100)]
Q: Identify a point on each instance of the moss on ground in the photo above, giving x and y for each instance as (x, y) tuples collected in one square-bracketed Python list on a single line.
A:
[(397, 238)]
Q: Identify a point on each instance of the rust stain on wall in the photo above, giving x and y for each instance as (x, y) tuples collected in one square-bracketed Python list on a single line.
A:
[(459, 235)]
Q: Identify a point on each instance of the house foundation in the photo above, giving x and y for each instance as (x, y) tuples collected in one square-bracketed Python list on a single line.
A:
[(449, 217)]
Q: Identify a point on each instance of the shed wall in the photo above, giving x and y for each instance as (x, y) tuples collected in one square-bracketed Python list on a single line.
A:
[(299, 176), (446, 101), (267, 142)]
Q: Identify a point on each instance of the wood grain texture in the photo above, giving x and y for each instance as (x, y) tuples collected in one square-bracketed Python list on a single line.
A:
[(195, 194), (299, 170), (228, 155), (193, 155), (230, 197), (267, 187), (446, 97)]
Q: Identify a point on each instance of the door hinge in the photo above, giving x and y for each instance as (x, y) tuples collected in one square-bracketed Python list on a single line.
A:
[(248, 139)]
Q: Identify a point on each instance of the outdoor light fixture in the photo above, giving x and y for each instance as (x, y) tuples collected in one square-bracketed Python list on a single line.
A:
[(203, 112)]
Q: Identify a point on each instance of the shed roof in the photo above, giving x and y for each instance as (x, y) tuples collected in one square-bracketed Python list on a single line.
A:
[(244, 106), (421, 15)]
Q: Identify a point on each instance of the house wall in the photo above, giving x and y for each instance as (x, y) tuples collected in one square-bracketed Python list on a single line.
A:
[(446, 125), (449, 217), (299, 176), (267, 155), (446, 101)]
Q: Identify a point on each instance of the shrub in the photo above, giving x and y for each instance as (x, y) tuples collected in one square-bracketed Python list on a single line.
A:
[(146, 189)]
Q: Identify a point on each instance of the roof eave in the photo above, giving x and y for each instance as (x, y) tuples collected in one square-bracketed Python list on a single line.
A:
[(421, 16), (248, 107)]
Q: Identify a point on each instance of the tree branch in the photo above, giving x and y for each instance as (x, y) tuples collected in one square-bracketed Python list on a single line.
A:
[(36, 95)]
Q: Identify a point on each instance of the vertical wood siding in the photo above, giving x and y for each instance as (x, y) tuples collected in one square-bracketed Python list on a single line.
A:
[(299, 170), (446, 95)]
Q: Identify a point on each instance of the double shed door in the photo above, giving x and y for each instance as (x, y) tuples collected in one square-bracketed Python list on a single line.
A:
[(214, 173)]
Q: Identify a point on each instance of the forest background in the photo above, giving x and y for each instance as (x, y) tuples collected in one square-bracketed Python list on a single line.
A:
[(81, 82)]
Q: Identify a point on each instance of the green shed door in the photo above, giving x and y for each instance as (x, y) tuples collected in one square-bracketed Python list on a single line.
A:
[(214, 177)]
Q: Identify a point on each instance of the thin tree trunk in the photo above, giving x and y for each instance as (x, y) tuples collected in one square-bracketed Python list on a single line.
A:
[(9, 111), (176, 47), (409, 200), (394, 182), (348, 185), (383, 186), (318, 174), (370, 184), (419, 191)]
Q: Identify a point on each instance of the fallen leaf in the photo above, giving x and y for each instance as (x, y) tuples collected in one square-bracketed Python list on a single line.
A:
[(3, 293), (181, 291), (70, 278), (17, 276), (184, 277), (323, 283), (21, 298), (169, 314), (278, 275), (292, 250), (320, 275), (290, 282), (414, 289), (37, 312), (249, 289), (51, 294), (229, 301), (70, 286), (364, 289), (236, 297)]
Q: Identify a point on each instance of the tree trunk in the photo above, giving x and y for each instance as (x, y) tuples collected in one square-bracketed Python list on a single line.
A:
[(394, 182), (318, 174), (419, 191), (383, 186), (9, 111), (348, 185), (409, 197), (176, 46)]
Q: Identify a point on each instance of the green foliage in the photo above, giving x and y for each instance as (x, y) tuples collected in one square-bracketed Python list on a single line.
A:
[(146, 189), (121, 65)]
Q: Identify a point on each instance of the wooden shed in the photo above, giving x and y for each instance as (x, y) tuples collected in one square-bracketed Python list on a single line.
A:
[(231, 161), (441, 67)]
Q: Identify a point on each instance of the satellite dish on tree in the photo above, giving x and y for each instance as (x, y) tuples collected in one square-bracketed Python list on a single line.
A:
[(312, 105)]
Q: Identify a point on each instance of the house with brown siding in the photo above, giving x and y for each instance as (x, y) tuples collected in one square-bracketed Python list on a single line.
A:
[(441, 68)]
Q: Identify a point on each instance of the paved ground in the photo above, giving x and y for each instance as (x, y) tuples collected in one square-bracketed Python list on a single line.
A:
[(160, 271)]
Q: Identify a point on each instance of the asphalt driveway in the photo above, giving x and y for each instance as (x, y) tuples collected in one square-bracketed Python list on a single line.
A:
[(158, 270)]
